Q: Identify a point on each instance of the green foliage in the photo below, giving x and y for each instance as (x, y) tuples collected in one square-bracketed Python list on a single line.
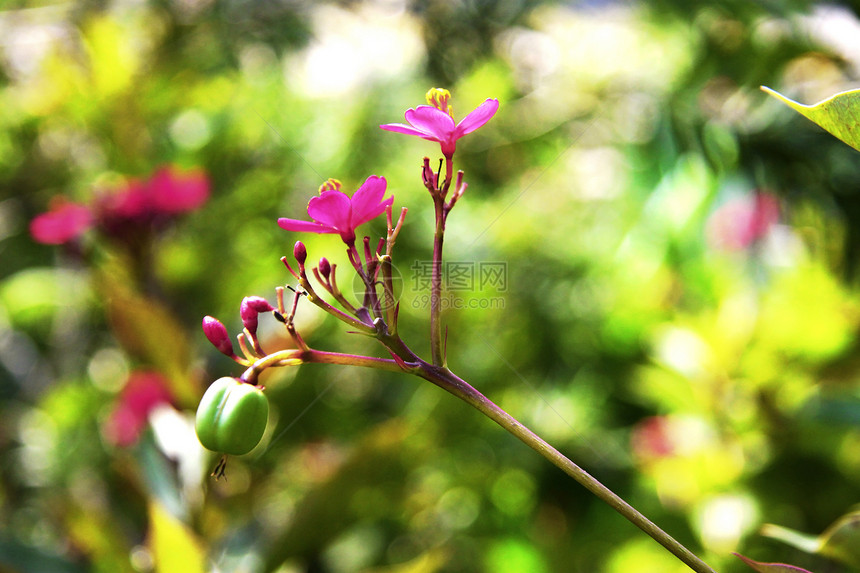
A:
[(701, 362)]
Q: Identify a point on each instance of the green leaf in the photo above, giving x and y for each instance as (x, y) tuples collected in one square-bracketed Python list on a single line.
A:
[(840, 541), (771, 567), (174, 547), (839, 114)]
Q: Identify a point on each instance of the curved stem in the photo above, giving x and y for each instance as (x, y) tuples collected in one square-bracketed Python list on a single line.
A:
[(448, 381)]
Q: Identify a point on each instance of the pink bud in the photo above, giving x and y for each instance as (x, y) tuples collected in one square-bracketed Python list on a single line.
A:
[(325, 267), (300, 252), (249, 309), (428, 175), (217, 334)]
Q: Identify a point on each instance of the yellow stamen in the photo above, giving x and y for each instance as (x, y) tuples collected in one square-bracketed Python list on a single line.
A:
[(439, 98), (330, 185)]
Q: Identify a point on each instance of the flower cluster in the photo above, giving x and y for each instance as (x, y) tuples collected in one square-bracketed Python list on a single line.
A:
[(333, 211), (137, 205)]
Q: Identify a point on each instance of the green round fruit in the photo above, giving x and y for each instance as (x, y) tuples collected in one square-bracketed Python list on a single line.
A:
[(232, 417)]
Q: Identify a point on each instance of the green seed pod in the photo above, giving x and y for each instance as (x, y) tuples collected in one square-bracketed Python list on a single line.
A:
[(232, 417)]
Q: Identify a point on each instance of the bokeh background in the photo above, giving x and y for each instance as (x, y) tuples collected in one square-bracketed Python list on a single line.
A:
[(679, 311)]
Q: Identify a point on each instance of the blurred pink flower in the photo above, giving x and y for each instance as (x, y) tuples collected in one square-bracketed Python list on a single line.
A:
[(174, 191), (167, 192), (652, 438), (434, 124), (123, 211), (131, 201), (63, 222), (143, 391), (740, 222), (333, 211)]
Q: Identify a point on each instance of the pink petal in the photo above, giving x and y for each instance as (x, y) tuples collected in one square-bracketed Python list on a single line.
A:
[(64, 222), (332, 209), (434, 123), (176, 192), (304, 226), (373, 213), (366, 201), (478, 117), (403, 128)]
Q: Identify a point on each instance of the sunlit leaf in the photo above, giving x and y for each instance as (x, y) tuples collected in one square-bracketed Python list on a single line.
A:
[(839, 114), (840, 541), (771, 567), (174, 547)]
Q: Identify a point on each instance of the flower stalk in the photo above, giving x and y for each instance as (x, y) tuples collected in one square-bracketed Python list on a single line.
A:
[(335, 212)]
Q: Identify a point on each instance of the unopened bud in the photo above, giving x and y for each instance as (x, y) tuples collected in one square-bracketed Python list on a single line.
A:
[(325, 267), (249, 309), (428, 175), (300, 252), (217, 334)]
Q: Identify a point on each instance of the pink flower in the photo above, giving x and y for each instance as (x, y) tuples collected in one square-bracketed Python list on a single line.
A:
[(335, 212), (64, 222), (173, 191), (131, 202), (435, 124), (124, 211), (168, 191), (741, 222), (143, 391), (653, 438)]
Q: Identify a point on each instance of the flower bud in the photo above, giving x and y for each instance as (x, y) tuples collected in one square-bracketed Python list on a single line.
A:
[(325, 267), (249, 309), (428, 175), (232, 416), (217, 334), (300, 252)]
